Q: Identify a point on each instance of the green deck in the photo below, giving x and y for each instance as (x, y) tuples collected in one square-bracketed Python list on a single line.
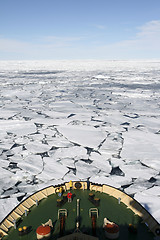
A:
[(109, 208)]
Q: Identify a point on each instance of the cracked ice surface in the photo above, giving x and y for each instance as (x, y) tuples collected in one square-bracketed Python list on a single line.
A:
[(82, 135), (63, 120)]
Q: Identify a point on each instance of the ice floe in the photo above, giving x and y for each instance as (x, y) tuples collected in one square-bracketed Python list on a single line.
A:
[(37, 147), (17, 127), (143, 146), (83, 135), (151, 203), (31, 164), (6, 206)]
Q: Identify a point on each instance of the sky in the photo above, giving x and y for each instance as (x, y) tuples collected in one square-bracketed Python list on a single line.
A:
[(84, 29)]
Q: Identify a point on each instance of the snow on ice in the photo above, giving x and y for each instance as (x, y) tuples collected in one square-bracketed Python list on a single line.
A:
[(96, 120)]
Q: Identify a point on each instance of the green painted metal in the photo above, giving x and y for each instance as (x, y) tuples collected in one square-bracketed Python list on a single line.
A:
[(109, 207)]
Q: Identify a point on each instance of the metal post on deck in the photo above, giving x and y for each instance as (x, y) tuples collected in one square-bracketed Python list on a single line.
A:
[(15, 226), (25, 212), (77, 223)]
